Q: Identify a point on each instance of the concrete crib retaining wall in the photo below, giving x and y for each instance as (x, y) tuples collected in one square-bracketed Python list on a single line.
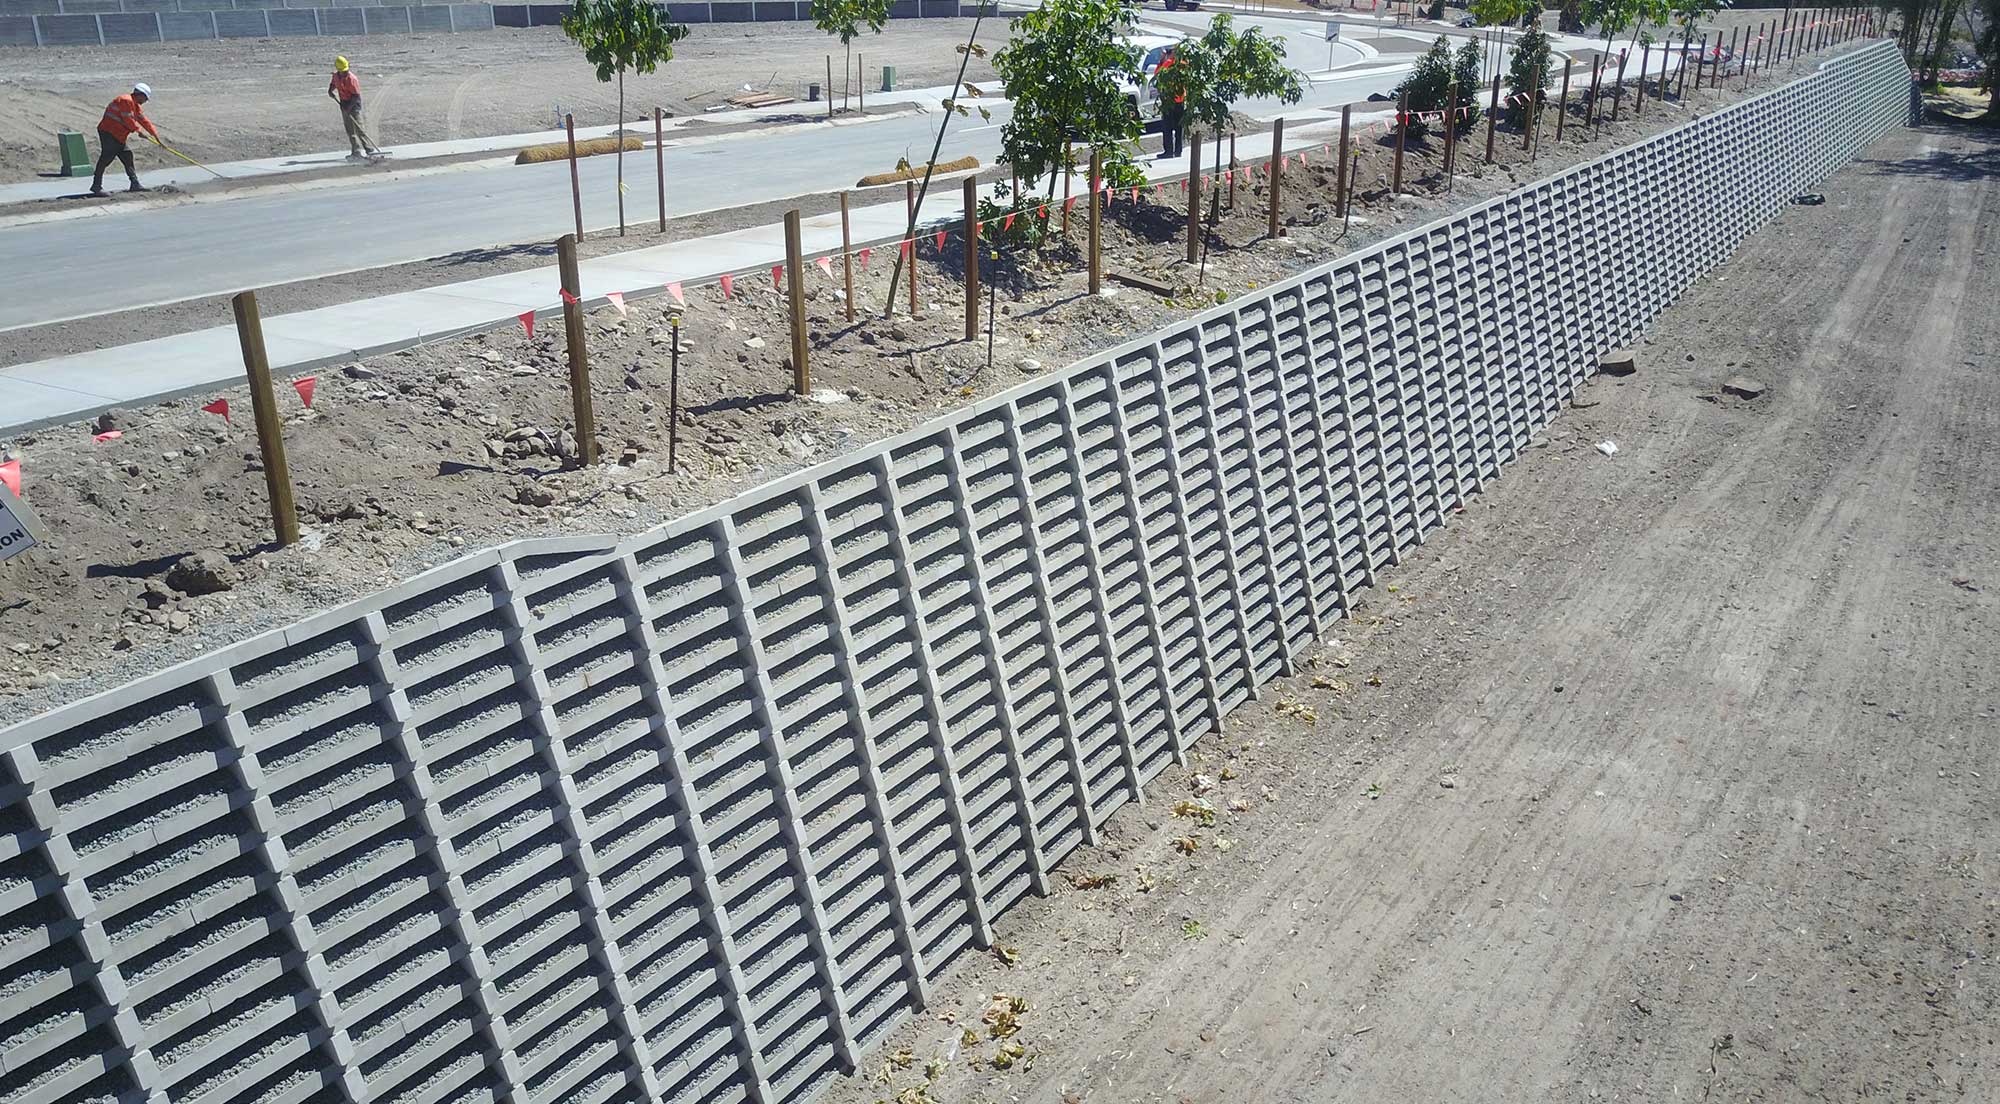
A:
[(123, 22), (699, 815)]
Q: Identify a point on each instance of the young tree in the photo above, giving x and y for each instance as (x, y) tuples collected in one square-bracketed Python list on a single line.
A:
[(1498, 14), (617, 35), (1062, 69), (1528, 72), (1989, 53), (846, 18), (1221, 67)]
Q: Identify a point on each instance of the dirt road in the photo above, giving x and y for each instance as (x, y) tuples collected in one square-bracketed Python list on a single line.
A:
[(1679, 780), (247, 98)]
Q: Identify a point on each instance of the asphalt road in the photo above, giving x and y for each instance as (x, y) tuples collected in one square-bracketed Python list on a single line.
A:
[(84, 267)]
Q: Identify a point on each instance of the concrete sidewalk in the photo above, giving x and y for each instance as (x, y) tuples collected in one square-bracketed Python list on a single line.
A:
[(72, 387), (683, 126)]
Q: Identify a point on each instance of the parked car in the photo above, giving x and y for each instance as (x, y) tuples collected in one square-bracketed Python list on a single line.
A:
[(1183, 5)]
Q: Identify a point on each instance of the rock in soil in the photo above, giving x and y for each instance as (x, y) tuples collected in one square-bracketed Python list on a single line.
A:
[(204, 572), (1618, 362), (1743, 387)]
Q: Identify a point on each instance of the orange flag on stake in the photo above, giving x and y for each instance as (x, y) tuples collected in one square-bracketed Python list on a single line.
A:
[(728, 285), (675, 291), (617, 299), (107, 435), (865, 254), (566, 296), (527, 318), (1007, 223), (825, 265), (778, 276), (10, 474), (940, 241), (304, 386), (219, 406)]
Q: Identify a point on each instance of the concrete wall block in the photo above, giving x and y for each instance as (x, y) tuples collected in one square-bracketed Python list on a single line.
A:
[(17, 30), (1445, 410), (185, 26), (68, 30), (241, 24), (31, 7), (252, 5), (733, 11), (130, 27), (430, 17), (341, 21), (387, 20), (291, 23), (766, 12), (89, 7), (472, 17), (689, 13)]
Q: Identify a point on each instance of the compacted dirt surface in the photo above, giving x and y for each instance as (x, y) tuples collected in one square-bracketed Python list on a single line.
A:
[(1665, 776)]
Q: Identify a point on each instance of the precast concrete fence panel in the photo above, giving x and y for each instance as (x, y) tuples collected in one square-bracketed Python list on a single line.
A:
[(699, 815)]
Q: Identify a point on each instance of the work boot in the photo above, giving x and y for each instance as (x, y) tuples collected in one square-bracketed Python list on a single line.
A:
[(138, 187)]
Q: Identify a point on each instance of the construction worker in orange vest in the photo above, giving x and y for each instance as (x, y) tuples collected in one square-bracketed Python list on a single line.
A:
[(1173, 114), (125, 117), (345, 90)]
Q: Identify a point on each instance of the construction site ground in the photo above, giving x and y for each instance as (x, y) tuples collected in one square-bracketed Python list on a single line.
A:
[(1660, 776), (410, 459), (239, 99)]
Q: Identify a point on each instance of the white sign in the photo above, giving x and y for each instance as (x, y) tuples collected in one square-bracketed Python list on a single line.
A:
[(1332, 31), (18, 530)]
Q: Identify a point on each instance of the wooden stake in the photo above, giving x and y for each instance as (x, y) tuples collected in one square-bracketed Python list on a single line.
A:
[(972, 258), (861, 83), (575, 183), (847, 256), (579, 353), (1618, 92), (1402, 126), (1450, 131), (1492, 114), (1194, 198), (1340, 171), (1699, 59), (1562, 105), (910, 199), (264, 406), (1096, 217), (829, 86), (1596, 100), (660, 163), (1276, 168), (1531, 120), (674, 398), (1645, 59), (795, 289), (1233, 174)]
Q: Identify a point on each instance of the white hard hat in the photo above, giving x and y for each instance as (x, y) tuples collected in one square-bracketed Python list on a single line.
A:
[(143, 89)]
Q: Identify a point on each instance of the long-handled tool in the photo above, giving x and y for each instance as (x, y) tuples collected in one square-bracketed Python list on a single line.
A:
[(184, 157)]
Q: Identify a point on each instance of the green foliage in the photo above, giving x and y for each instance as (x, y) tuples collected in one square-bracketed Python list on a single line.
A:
[(1498, 13), (1062, 69), (1438, 72), (845, 18), (1221, 67), (1528, 70), (1688, 14), (621, 35)]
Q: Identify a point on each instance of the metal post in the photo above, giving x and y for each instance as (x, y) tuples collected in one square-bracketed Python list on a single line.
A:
[(1402, 126), (1340, 172), (971, 258), (1276, 171), (264, 406), (1492, 114), (1194, 198), (847, 256), (1721, 66), (660, 164), (861, 82), (1698, 59), (910, 200), (575, 184), (579, 353), (1232, 174), (1096, 258), (1562, 105), (795, 289), (829, 86)]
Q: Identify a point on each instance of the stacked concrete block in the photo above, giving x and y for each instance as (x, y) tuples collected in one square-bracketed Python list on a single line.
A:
[(701, 814)]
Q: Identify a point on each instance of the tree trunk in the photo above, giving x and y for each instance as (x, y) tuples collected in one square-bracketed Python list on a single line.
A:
[(618, 135), (846, 71)]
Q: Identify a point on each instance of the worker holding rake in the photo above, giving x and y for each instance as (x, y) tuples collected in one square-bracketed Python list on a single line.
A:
[(345, 90), (125, 117)]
